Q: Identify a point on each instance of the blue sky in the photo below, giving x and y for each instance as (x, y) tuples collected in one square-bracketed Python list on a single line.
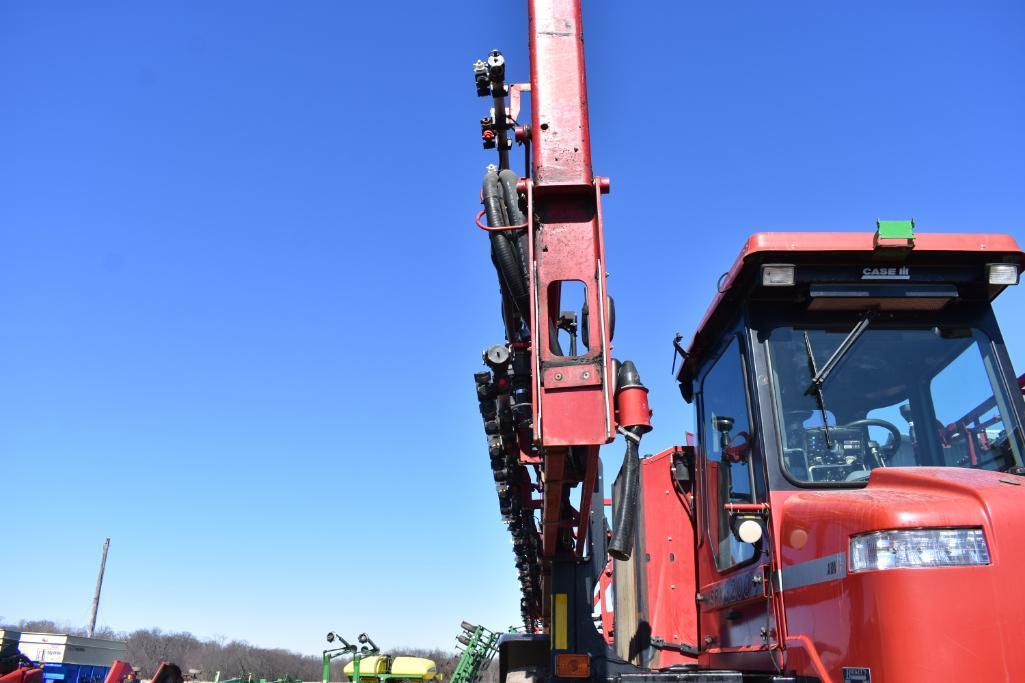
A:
[(242, 297)]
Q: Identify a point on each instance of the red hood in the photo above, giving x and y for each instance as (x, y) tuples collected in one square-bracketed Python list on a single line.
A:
[(902, 497), (923, 624)]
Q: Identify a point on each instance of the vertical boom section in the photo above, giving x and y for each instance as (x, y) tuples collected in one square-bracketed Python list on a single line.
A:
[(572, 397), (553, 395)]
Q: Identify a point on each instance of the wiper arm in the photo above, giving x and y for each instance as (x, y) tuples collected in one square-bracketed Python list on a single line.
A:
[(819, 377), (816, 389)]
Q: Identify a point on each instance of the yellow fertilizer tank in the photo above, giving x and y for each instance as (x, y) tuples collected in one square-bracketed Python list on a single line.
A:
[(413, 667), (369, 667), (386, 667)]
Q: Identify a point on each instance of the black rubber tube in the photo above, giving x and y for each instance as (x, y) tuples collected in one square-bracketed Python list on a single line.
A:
[(511, 197), (493, 202), (508, 252), (622, 542), (507, 261), (504, 251)]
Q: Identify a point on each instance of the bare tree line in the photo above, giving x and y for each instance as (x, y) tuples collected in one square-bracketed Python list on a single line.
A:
[(146, 648)]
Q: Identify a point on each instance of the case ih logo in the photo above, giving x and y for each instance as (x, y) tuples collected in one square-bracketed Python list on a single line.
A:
[(902, 273)]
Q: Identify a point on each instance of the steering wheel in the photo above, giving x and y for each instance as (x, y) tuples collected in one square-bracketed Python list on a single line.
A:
[(887, 451)]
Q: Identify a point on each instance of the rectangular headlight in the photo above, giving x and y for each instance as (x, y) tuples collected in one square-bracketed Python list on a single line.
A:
[(1002, 273), (777, 275), (905, 548)]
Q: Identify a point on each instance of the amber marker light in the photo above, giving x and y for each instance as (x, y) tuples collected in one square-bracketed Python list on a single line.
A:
[(572, 666)]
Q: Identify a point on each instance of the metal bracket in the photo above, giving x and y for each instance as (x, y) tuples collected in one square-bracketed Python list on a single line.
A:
[(685, 648), (678, 351)]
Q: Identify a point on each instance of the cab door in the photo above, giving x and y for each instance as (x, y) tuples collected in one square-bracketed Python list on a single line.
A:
[(736, 616)]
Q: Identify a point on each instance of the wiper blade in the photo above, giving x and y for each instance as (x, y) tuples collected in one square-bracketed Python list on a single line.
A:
[(816, 389), (819, 377)]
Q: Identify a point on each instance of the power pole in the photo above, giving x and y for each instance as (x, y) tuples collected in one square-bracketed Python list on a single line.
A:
[(99, 585)]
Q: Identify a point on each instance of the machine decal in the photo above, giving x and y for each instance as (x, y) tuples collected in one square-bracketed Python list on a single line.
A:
[(854, 674), (561, 616), (819, 570), (739, 588), (894, 273)]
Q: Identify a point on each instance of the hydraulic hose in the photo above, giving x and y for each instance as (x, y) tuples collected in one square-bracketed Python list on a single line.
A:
[(634, 418), (504, 251), (622, 541), (509, 254), (511, 196), (492, 199)]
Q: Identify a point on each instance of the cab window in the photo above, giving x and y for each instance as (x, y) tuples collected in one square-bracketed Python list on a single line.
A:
[(727, 444), (897, 397)]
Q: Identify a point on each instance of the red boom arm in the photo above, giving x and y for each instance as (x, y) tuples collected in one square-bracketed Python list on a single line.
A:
[(574, 404)]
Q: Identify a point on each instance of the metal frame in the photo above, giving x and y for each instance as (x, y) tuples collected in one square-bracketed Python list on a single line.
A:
[(571, 396)]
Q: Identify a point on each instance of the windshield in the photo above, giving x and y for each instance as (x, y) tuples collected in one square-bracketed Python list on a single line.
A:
[(890, 398)]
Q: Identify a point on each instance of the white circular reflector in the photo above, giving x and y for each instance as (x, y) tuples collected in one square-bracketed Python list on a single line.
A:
[(750, 531)]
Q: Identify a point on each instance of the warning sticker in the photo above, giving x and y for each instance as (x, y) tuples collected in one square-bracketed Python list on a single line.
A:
[(853, 674)]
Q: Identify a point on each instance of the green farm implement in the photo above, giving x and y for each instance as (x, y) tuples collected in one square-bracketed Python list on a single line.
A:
[(479, 647), (368, 664)]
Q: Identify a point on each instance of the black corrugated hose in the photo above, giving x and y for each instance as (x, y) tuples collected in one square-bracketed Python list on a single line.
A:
[(505, 253), (511, 196), (622, 541), (509, 253)]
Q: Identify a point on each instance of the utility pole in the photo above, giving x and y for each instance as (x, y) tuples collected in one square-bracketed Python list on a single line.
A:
[(99, 585)]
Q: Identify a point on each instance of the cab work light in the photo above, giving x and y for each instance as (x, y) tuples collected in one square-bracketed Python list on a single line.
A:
[(914, 548), (777, 275), (1002, 273)]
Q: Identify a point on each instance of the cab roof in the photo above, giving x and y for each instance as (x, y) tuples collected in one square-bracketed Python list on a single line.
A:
[(837, 248)]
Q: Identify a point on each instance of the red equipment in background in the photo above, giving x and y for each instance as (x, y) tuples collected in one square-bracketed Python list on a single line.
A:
[(167, 672), (120, 672), (24, 674)]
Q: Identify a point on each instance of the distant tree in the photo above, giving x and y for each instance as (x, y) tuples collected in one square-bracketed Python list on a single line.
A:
[(146, 648)]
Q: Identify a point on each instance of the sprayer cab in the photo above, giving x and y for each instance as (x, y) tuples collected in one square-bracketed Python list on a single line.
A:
[(848, 327), (857, 418)]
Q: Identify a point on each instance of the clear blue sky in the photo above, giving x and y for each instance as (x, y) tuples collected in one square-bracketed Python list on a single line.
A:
[(242, 298)]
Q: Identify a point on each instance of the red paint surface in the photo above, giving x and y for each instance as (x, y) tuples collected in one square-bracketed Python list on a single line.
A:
[(731, 626), (567, 246), (632, 408), (118, 672), (669, 562), (566, 242), (23, 675), (947, 623), (821, 243), (572, 396), (558, 86)]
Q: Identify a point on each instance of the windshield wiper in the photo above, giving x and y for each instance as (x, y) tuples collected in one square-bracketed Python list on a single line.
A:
[(818, 376), (816, 389)]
